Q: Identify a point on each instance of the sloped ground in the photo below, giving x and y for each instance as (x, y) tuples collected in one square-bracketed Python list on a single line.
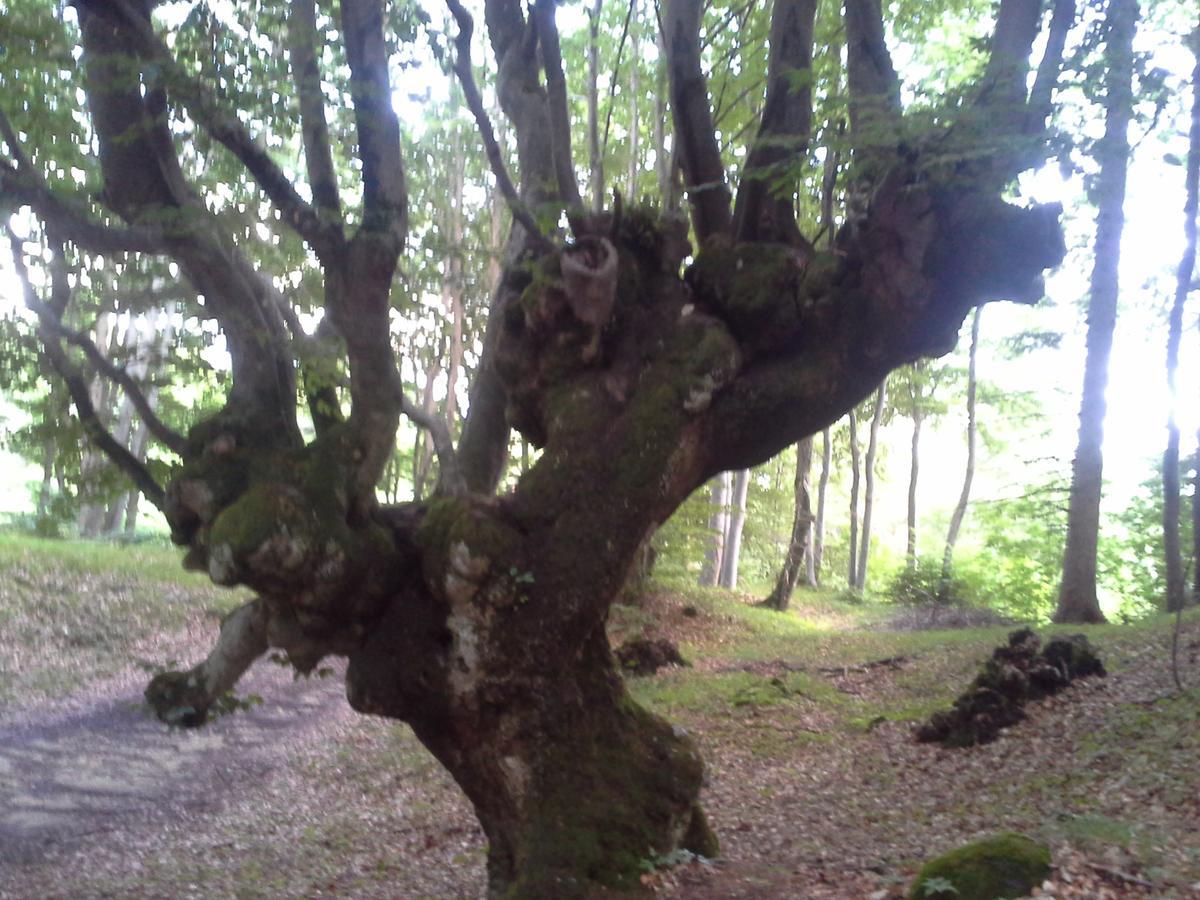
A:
[(816, 787)]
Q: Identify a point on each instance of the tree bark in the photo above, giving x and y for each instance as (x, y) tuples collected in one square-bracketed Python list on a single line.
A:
[(1077, 599), (799, 550), (733, 537), (964, 497), (1183, 283)]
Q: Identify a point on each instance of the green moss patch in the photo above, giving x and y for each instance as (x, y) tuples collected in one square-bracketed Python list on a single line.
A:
[(1007, 865)]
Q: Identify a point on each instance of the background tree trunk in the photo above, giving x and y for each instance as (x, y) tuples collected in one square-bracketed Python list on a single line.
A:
[(822, 494), (910, 549), (852, 572), (800, 544), (733, 536), (1077, 600), (718, 523), (869, 486), (964, 498), (1183, 284)]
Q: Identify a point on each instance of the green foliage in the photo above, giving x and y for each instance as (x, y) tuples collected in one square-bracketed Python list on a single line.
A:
[(922, 585)]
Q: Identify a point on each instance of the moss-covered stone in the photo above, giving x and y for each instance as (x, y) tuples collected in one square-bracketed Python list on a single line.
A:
[(1006, 865)]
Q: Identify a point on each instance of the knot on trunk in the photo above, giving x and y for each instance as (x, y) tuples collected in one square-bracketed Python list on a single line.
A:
[(280, 521), (1020, 672)]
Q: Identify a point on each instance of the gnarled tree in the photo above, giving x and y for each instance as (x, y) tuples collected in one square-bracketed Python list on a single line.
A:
[(479, 619)]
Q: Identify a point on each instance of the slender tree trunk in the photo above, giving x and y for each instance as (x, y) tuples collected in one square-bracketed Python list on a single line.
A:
[(852, 573), (800, 543), (869, 486), (634, 129), (910, 549), (1196, 526), (46, 491), (663, 158), (733, 537), (595, 161), (964, 497), (822, 495), (1183, 283), (718, 523), (423, 452), (455, 282), (1077, 600)]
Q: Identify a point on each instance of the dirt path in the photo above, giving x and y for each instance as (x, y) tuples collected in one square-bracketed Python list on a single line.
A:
[(107, 767)]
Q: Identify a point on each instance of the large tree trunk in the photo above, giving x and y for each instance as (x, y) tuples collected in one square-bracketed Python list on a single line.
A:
[(799, 550), (1077, 600), (573, 782), (869, 486), (822, 495), (964, 497), (733, 535), (1183, 283), (914, 468)]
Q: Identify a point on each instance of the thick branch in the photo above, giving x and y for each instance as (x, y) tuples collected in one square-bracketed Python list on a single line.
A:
[(556, 98), (74, 224), (699, 155), (874, 87), (184, 698), (24, 184), (1017, 24), (76, 384), (466, 77), (385, 197), (227, 129), (306, 73), (1042, 94), (765, 207)]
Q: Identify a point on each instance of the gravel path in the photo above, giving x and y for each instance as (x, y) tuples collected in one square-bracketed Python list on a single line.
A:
[(105, 766)]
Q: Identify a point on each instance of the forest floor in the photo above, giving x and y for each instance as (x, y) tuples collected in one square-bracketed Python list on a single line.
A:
[(815, 784)]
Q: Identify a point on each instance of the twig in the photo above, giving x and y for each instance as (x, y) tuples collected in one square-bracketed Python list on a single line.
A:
[(1117, 873), (466, 77)]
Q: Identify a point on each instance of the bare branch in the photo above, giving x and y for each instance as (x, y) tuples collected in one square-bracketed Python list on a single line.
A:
[(556, 97), (385, 197), (765, 211), (165, 435), (874, 87), (76, 384), (450, 477), (466, 77), (318, 158), (226, 128), (699, 156)]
